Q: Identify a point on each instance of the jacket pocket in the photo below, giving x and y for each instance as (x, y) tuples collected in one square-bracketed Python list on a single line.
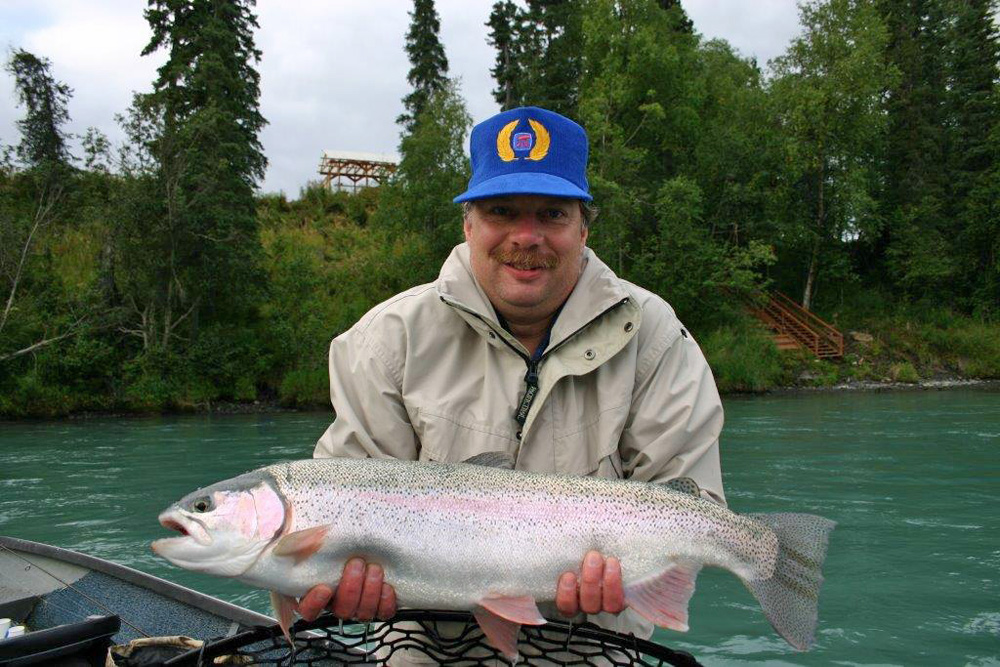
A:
[(449, 439), (591, 448)]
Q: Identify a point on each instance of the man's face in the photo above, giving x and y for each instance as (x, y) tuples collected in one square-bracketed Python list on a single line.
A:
[(526, 252)]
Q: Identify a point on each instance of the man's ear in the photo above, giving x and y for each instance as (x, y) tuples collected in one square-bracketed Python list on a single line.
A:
[(466, 227)]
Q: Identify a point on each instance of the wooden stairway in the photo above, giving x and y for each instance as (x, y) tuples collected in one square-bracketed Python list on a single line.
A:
[(795, 327)]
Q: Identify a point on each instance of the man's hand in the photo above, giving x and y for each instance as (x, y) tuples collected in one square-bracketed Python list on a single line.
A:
[(361, 595), (599, 588)]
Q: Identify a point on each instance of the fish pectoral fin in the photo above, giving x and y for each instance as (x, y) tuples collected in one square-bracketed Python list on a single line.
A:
[(521, 609), (500, 632), (302, 543), (284, 609), (663, 599)]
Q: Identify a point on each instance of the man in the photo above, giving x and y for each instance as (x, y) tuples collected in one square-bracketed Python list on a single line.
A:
[(528, 344)]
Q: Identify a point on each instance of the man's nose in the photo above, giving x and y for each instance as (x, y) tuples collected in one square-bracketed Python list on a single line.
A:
[(527, 229)]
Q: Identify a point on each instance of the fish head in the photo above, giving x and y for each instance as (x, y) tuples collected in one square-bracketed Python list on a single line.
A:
[(224, 527)]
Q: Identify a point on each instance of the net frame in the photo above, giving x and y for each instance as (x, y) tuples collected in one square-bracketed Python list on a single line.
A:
[(328, 641)]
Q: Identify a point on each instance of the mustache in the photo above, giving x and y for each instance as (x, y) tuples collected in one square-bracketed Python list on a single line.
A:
[(525, 259)]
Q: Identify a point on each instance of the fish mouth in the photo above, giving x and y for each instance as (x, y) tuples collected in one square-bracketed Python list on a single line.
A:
[(188, 527), (170, 524)]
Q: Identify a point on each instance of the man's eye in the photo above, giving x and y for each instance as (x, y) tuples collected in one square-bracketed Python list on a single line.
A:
[(555, 214), (500, 210)]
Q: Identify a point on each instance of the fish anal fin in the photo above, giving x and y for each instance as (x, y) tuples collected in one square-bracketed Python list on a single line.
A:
[(284, 609), (500, 632), (520, 609), (663, 599), (301, 544)]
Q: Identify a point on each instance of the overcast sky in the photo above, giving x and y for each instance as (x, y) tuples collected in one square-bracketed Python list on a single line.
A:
[(333, 72)]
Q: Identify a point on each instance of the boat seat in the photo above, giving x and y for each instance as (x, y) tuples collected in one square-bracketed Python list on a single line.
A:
[(80, 644)]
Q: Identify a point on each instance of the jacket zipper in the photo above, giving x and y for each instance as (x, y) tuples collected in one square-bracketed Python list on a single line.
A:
[(531, 377)]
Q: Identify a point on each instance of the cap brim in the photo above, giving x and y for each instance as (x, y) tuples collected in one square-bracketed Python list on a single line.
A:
[(524, 183)]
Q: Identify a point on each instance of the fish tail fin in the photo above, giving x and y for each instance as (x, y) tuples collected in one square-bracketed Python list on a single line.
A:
[(790, 596)]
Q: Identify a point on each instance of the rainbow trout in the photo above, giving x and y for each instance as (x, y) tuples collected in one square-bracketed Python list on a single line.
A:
[(479, 536)]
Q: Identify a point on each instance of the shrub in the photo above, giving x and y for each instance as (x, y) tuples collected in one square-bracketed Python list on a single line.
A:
[(744, 359)]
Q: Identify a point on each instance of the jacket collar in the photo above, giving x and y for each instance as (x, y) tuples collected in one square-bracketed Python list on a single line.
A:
[(597, 290)]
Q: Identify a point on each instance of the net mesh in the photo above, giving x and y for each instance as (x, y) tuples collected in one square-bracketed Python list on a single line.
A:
[(442, 637)]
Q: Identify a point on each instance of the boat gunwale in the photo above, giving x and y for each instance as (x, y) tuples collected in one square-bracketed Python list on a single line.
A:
[(162, 587)]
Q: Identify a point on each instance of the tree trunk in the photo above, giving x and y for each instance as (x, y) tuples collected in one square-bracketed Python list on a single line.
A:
[(807, 293)]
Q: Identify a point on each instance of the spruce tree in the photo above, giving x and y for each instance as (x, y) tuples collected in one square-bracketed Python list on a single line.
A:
[(553, 55), (974, 124), (974, 73), (43, 139), (201, 237), (914, 239), (506, 24), (429, 65), (684, 24)]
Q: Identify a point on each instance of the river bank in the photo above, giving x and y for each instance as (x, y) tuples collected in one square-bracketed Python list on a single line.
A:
[(274, 407)]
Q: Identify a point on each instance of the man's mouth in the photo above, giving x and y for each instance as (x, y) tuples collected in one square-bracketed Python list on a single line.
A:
[(525, 261)]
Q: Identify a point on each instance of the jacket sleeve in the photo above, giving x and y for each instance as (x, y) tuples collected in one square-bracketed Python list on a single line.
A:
[(365, 388), (676, 415)]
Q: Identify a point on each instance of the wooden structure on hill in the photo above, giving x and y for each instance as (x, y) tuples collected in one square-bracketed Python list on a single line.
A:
[(795, 327), (342, 170)]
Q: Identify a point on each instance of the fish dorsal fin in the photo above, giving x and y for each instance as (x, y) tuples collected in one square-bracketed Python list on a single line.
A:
[(684, 485), (500, 619), (284, 609), (492, 460), (663, 599), (301, 544)]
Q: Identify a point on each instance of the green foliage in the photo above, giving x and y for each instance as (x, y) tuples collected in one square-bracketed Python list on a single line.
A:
[(433, 169), (428, 62), (43, 139), (743, 358), (539, 59), (708, 267), (863, 171), (827, 92), (196, 211), (904, 372), (506, 24)]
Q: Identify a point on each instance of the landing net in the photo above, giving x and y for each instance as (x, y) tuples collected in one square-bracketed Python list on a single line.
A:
[(446, 637)]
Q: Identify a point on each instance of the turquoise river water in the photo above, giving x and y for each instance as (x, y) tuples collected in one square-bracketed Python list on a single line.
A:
[(912, 478)]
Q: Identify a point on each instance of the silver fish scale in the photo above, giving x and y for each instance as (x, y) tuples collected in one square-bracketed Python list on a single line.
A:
[(448, 534)]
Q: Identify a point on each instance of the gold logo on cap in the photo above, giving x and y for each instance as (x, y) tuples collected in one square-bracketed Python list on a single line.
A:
[(504, 149), (542, 141), (538, 152)]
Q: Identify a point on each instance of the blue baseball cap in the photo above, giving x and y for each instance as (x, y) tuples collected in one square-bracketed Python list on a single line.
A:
[(528, 151)]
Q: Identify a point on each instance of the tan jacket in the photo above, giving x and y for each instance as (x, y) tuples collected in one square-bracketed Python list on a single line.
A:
[(623, 389)]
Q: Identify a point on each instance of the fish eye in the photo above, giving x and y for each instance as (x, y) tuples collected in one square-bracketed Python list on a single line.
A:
[(202, 505)]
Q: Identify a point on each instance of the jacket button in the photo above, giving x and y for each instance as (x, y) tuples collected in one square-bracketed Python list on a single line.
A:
[(589, 355), (518, 435), (628, 327), (492, 336)]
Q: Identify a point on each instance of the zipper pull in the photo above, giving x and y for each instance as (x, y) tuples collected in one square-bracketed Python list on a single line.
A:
[(530, 391)]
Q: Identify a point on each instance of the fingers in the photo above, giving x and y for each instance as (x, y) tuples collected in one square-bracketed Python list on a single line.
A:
[(348, 595), (313, 602), (386, 603), (591, 580), (371, 593), (600, 587), (614, 591), (567, 599), (361, 595)]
